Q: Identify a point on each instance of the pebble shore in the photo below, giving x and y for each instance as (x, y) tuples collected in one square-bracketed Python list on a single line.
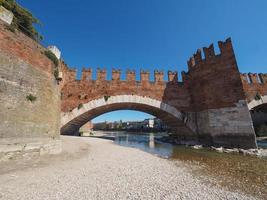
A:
[(92, 168)]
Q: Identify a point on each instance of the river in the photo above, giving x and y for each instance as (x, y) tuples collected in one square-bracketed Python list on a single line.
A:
[(234, 171)]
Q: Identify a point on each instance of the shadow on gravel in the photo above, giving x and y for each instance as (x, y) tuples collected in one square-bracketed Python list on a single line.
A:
[(72, 148)]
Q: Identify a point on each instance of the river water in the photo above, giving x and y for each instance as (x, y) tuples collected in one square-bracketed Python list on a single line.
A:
[(234, 171)]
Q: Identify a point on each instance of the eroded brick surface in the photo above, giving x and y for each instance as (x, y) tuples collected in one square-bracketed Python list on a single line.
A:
[(24, 70), (254, 84)]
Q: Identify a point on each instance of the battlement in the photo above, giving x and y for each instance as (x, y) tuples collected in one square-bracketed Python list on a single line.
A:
[(116, 74), (70, 75), (144, 76), (101, 74), (226, 52), (158, 76), (184, 76), (86, 74), (203, 62), (130, 75), (172, 76), (253, 78)]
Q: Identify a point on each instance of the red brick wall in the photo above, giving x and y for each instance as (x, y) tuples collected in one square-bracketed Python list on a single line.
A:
[(23, 47), (253, 84), (211, 82), (75, 92), (214, 79)]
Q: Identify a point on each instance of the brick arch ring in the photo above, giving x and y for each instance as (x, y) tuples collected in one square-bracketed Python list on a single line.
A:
[(72, 121), (254, 103)]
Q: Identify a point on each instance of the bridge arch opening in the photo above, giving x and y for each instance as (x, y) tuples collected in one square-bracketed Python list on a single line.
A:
[(258, 111), (173, 118), (127, 120), (259, 119)]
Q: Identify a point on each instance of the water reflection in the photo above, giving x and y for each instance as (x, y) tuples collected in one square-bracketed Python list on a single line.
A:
[(151, 141), (262, 144), (146, 142), (234, 171)]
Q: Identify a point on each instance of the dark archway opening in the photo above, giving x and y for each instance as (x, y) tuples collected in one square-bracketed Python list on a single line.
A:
[(259, 118), (176, 125)]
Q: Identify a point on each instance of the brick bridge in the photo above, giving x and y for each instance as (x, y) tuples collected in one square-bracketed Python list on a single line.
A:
[(209, 105)]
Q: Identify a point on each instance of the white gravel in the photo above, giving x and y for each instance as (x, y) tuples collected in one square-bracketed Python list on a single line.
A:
[(91, 168)]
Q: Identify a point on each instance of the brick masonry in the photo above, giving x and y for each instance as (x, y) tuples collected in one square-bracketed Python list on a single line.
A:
[(255, 87), (210, 98), (254, 84), (209, 104), (27, 126)]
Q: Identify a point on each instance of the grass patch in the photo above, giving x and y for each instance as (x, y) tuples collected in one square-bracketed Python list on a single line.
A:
[(31, 98), (52, 57), (11, 28), (257, 97), (80, 106), (56, 73), (106, 98)]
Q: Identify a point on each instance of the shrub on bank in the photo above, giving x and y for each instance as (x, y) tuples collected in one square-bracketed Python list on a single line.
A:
[(51, 56)]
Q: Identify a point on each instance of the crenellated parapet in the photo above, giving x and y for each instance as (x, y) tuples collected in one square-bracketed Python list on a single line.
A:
[(254, 84), (145, 76), (172, 76), (86, 74), (209, 52), (130, 75), (158, 76), (70, 75), (263, 77), (198, 59), (254, 78), (116, 75), (101, 75), (207, 73), (185, 76), (214, 79)]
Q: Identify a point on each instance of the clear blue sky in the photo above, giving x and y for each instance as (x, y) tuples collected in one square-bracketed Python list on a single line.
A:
[(151, 34), (124, 115)]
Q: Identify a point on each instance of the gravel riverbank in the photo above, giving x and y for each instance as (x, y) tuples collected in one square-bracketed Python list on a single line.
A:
[(91, 168)]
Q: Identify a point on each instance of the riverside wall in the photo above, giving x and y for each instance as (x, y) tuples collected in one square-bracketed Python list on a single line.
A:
[(29, 97)]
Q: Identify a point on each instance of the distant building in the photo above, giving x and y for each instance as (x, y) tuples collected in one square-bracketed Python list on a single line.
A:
[(134, 125), (152, 124), (148, 123), (100, 126), (55, 51)]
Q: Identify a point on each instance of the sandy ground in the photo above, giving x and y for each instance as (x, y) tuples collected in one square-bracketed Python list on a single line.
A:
[(91, 168)]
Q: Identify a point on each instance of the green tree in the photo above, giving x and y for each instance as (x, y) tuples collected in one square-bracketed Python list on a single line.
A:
[(23, 19)]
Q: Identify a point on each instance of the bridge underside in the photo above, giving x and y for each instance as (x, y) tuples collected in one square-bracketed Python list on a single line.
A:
[(259, 118), (177, 126), (228, 127)]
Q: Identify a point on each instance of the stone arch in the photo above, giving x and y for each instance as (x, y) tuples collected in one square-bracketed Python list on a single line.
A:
[(255, 103), (72, 121), (258, 112)]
